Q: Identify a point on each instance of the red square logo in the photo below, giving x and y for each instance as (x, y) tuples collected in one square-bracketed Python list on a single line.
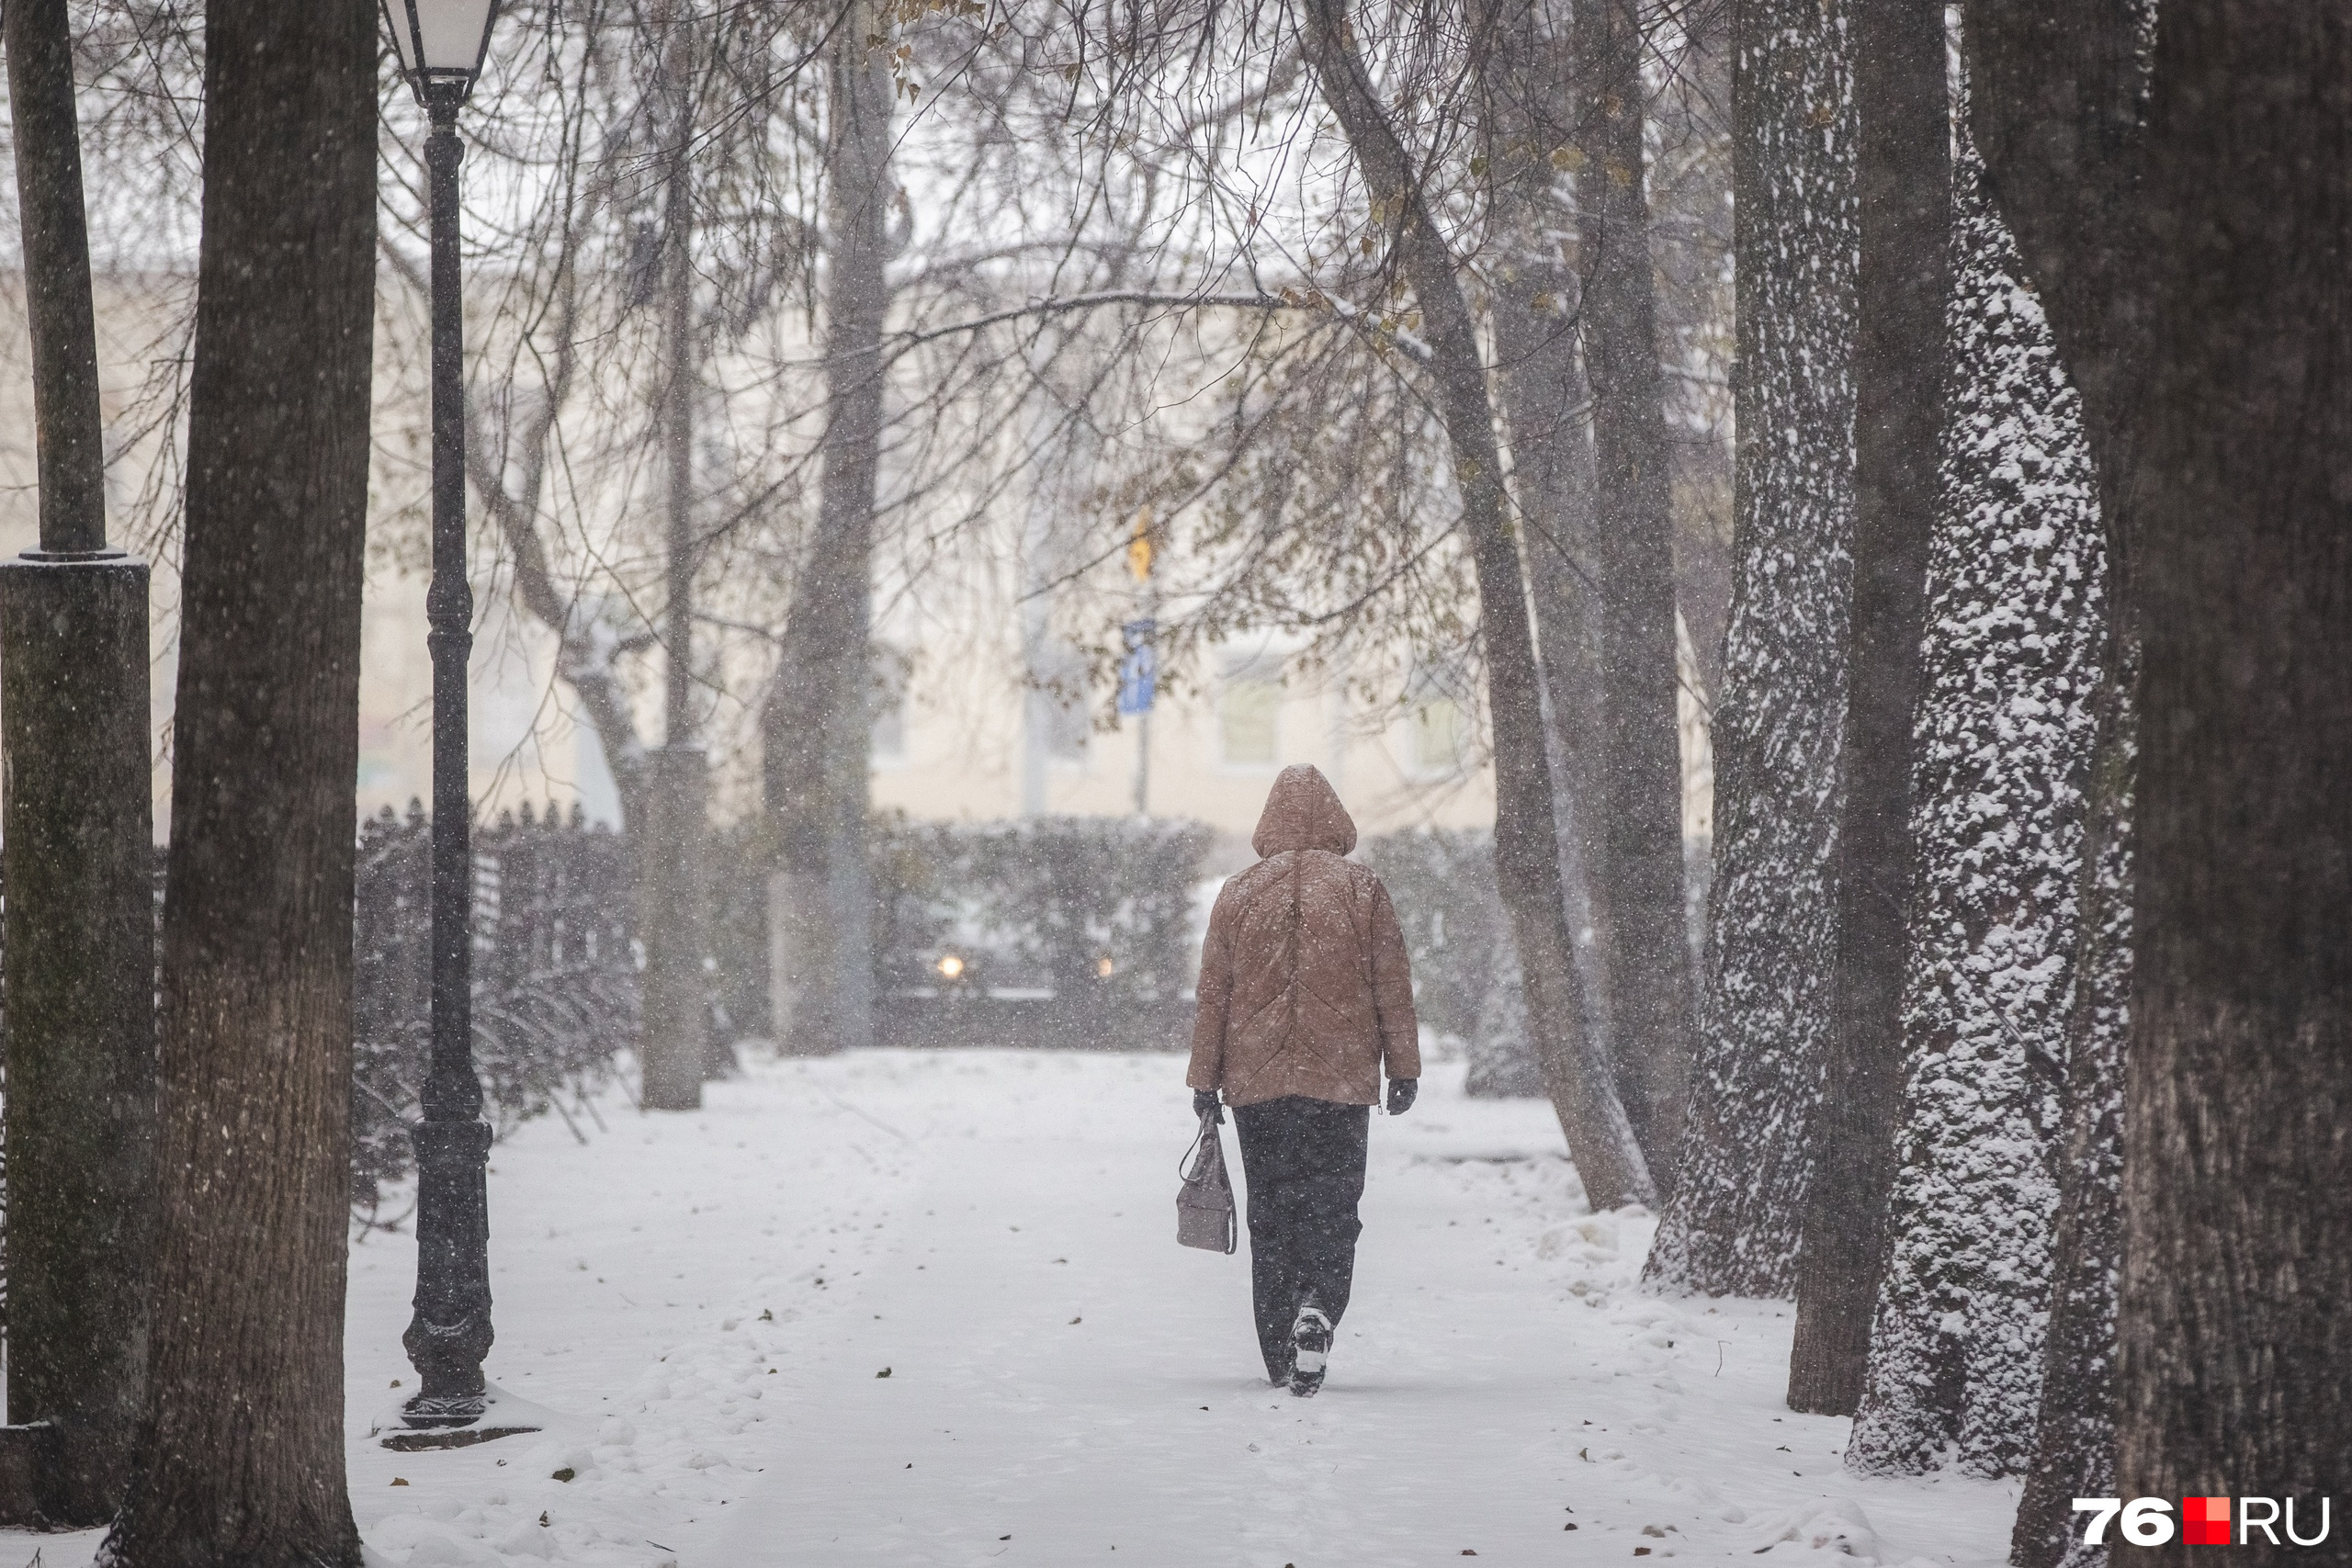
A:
[(2205, 1521)]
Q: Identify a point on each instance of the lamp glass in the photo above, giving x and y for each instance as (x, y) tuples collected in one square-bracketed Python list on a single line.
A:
[(440, 38)]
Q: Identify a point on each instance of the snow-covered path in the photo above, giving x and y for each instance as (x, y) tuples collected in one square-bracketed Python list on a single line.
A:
[(1066, 1383), (708, 1300)]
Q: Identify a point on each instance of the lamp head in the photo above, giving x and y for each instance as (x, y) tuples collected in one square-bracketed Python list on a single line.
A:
[(441, 44)]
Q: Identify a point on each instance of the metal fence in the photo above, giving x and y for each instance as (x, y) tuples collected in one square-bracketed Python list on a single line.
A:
[(555, 976), (1060, 932)]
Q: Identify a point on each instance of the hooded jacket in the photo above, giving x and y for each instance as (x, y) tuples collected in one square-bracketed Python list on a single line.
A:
[(1305, 988)]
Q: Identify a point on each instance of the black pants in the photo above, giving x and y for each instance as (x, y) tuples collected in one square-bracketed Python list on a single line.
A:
[(1303, 1159)]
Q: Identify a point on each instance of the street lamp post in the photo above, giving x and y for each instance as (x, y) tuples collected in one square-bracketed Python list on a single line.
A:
[(441, 44)]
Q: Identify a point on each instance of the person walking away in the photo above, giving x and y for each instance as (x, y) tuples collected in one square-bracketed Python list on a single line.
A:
[(1305, 996)]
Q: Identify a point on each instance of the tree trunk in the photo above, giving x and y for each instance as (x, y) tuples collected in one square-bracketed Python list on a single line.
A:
[(2008, 713), (2074, 1448), (671, 839), (1692, 223), (1527, 863), (2057, 96), (241, 1458), (671, 893), (1732, 1227), (78, 841), (2234, 1364), (70, 455), (1539, 389), (1903, 172), (81, 1026), (1546, 403), (1640, 809), (2229, 443), (816, 730), (2056, 107)]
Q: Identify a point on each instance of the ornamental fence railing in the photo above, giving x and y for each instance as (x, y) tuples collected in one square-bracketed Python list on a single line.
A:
[(1058, 933)]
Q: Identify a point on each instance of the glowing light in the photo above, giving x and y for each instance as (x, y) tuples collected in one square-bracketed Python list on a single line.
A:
[(951, 966), (1102, 966)]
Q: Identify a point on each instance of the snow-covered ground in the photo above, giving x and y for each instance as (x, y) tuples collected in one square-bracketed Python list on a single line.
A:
[(903, 1308)]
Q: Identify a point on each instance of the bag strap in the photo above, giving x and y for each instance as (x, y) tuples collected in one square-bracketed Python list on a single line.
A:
[(1191, 1167)]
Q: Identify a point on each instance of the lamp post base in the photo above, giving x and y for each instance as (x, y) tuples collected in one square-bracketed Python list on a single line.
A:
[(429, 1410), (419, 1441), (446, 1421)]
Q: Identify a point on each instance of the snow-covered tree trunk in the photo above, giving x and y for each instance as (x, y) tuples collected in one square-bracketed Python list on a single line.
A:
[(2074, 1448), (1902, 286), (2016, 619), (2058, 109), (1732, 1226)]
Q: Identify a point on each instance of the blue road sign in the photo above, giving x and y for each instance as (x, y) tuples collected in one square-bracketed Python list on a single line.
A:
[(1140, 671)]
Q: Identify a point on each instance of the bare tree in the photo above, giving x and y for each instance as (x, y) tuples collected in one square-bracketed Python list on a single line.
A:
[(816, 725), (1903, 108), (2058, 107), (1526, 99), (2017, 609), (1072, 287), (1732, 1227), (674, 899), (1692, 220), (241, 1456), (1640, 804), (1526, 841), (2228, 442)]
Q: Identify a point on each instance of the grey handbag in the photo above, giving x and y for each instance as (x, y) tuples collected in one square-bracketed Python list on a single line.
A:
[(1205, 1203)]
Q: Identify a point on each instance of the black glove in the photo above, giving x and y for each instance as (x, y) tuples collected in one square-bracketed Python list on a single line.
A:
[(1204, 1104), (1401, 1095)]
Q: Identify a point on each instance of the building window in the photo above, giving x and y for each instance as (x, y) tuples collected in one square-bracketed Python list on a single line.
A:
[(1248, 716)]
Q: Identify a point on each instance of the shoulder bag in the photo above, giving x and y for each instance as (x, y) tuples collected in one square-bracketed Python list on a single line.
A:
[(1205, 1203)]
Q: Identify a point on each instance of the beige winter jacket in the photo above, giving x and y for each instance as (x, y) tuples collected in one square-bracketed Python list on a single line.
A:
[(1305, 985)]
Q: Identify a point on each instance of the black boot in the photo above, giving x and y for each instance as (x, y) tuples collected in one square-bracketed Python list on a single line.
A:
[(1310, 1339)]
